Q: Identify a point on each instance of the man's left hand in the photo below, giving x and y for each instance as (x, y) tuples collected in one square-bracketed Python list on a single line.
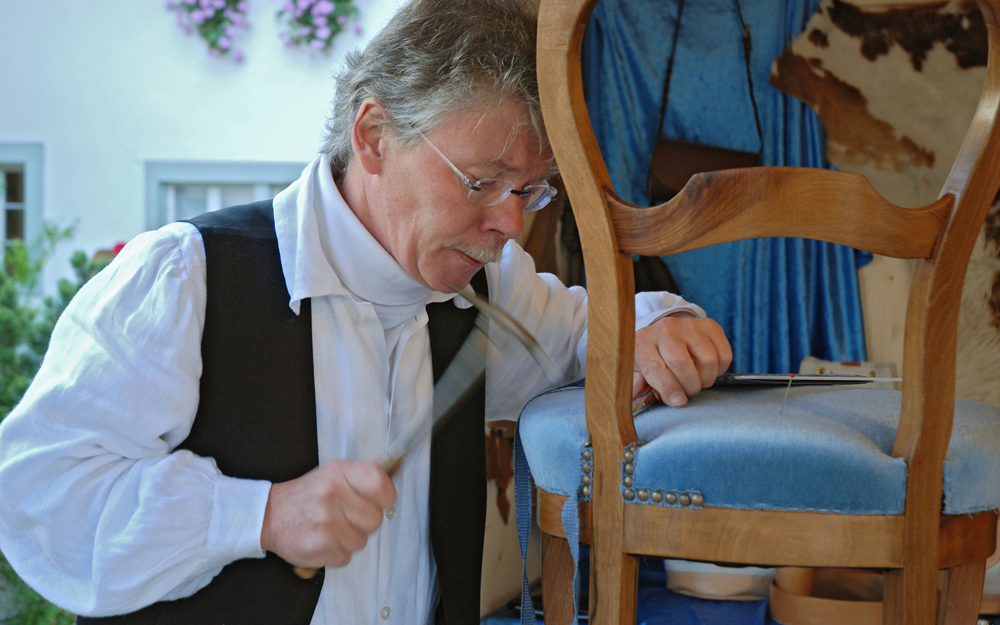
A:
[(678, 356)]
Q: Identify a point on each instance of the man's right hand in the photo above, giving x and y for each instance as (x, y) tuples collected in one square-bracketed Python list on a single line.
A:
[(323, 517)]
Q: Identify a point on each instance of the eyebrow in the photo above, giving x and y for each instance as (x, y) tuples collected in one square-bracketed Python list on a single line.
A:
[(501, 164)]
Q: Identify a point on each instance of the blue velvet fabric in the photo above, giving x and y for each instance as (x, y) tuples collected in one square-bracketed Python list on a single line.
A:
[(825, 450), (778, 300)]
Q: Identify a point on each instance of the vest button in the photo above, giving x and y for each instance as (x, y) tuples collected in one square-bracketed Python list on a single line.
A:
[(385, 612)]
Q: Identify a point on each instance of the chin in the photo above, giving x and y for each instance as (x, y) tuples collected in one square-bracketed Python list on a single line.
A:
[(460, 278)]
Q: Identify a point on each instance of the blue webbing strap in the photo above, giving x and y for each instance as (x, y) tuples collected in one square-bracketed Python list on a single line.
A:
[(571, 525), (522, 509)]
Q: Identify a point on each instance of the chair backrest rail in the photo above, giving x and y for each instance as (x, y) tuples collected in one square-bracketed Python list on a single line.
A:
[(748, 203)]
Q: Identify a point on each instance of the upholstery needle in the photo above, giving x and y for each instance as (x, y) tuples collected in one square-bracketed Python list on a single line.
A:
[(791, 376)]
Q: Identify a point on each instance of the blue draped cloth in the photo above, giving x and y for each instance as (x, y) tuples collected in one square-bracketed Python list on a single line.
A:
[(778, 300)]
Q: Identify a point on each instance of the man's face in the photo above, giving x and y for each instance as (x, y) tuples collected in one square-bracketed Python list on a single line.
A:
[(424, 215)]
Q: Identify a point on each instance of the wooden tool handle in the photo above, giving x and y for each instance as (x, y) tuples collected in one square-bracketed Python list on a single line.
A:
[(304, 573)]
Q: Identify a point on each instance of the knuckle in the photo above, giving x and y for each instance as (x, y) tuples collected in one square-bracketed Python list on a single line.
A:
[(340, 559)]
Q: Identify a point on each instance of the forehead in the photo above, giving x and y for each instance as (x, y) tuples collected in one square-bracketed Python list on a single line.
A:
[(497, 137)]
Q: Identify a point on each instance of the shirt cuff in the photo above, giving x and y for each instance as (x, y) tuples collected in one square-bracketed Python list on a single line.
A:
[(237, 519), (653, 317)]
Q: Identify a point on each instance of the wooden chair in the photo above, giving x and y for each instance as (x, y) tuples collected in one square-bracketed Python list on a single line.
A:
[(621, 518)]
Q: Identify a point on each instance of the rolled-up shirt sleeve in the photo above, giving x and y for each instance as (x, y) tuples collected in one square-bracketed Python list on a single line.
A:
[(99, 513), (557, 316)]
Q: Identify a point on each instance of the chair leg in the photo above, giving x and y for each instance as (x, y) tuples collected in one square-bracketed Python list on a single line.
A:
[(963, 592), (614, 587), (557, 581), (910, 597)]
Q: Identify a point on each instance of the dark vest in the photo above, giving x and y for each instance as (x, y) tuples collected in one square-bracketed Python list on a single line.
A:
[(257, 418)]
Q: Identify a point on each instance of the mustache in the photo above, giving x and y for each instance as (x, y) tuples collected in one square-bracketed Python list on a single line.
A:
[(483, 252)]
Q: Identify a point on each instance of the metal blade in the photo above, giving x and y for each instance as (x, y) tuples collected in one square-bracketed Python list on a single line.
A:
[(510, 326), (459, 379)]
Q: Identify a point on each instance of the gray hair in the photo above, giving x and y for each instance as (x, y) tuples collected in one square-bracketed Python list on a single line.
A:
[(436, 57)]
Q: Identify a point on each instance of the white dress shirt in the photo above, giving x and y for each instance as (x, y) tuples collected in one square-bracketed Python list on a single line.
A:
[(102, 516)]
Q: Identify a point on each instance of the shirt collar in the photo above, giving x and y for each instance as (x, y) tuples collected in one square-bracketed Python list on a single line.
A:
[(325, 249)]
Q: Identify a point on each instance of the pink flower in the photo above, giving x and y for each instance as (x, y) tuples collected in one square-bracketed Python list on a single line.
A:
[(189, 2), (238, 20), (323, 7), (118, 248), (357, 29), (288, 7), (241, 6), (238, 56), (225, 43), (323, 32), (219, 4), (341, 19), (320, 21), (198, 17), (230, 31), (317, 44)]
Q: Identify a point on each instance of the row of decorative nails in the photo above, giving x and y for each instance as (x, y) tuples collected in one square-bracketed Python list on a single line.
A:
[(587, 468), (670, 498)]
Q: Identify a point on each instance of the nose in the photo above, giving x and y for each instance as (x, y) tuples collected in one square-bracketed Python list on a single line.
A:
[(506, 217)]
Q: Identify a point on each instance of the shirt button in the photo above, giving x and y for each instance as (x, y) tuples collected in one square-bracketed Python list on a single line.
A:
[(385, 612), (390, 513), (392, 414), (360, 320)]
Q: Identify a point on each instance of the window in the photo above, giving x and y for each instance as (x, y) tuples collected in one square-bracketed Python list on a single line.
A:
[(181, 190), (20, 191)]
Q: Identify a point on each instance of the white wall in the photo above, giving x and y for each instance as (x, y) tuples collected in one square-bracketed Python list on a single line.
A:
[(106, 86)]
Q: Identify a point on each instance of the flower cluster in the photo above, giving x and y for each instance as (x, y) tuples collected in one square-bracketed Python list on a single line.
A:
[(218, 22), (314, 23)]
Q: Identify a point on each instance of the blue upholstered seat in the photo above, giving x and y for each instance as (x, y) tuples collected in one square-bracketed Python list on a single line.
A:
[(826, 450)]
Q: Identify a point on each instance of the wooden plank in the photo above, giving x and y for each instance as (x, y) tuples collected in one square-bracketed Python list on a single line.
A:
[(963, 538), (737, 204), (765, 537)]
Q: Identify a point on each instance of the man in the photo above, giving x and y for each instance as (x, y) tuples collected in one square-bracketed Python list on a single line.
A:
[(435, 147)]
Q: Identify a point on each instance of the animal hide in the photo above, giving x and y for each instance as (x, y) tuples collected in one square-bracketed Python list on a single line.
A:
[(896, 90)]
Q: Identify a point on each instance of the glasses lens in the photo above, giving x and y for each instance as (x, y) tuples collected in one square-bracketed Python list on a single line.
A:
[(491, 192), (537, 198)]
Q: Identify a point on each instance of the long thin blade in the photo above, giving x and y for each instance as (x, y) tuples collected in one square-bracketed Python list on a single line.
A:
[(457, 382), (509, 325)]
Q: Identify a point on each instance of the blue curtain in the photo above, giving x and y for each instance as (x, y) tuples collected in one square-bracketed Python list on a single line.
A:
[(777, 299)]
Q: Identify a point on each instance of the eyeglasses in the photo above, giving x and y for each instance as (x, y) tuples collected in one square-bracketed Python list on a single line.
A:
[(491, 191)]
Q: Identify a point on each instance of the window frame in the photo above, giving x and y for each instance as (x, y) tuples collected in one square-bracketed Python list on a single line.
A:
[(30, 157), (158, 174)]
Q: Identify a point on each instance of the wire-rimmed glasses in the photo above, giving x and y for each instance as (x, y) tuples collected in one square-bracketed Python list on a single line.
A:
[(491, 191)]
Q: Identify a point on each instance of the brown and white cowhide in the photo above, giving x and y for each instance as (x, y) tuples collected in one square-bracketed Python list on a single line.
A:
[(978, 366), (896, 87)]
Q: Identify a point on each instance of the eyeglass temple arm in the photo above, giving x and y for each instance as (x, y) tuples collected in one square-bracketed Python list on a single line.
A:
[(464, 178)]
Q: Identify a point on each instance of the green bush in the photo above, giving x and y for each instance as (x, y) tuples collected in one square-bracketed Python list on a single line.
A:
[(26, 323)]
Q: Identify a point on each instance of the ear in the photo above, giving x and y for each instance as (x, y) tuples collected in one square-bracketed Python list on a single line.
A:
[(368, 135)]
